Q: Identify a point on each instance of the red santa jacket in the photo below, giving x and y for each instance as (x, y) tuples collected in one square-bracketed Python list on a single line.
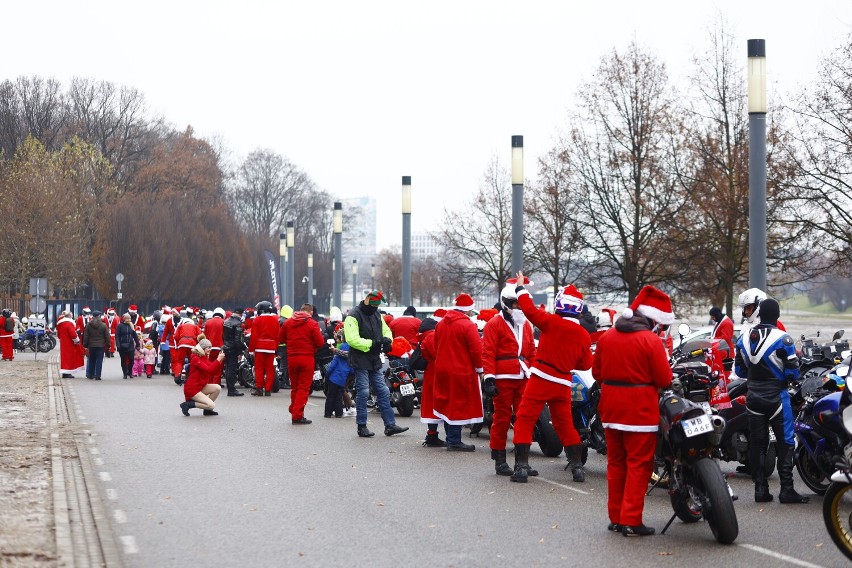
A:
[(458, 359), (186, 334), (213, 330), (631, 365), (201, 372), (504, 356), (112, 322), (724, 330), (264, 333), (137, 321), (81, 323), (301, 334), (407, 327), (169, 333), (562, 346)]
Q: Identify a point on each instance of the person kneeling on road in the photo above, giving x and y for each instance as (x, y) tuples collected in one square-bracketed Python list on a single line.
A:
[(201, 388)]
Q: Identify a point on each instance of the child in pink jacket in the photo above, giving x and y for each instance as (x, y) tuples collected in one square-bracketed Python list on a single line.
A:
[(149, 356)]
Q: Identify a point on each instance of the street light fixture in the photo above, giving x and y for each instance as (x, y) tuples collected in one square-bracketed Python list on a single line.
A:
[(337, 263), (757, 163), (517, 203), (373, 275), (406, 240), (354, 278), (310, 278), (282, 256), (291, 263)]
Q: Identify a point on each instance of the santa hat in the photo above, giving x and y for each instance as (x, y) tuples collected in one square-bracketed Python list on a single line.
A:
[(464, 303), (653, 304), (486, 314), (167, 310), (400, 347), (111, 311), (514, 281), (87, 310), (439, 314), (132, 308), (569, 302)]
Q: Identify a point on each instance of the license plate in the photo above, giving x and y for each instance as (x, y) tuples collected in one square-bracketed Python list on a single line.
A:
[(406, 389), (698, 425)]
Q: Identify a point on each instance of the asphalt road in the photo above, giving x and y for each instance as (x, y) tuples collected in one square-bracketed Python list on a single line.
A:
[(247, 488)]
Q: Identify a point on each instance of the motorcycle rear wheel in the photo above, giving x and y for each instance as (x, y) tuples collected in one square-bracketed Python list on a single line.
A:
[(719, 507), (545, 434), (815, 479), (405, 406), (837, 515), (246, 377)]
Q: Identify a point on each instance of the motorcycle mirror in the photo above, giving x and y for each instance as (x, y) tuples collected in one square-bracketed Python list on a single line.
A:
[(683, 329), (837, 335)]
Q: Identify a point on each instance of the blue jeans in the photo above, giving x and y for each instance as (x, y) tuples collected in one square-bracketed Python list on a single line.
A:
[(95, 362), (364, 379), (454, 432)]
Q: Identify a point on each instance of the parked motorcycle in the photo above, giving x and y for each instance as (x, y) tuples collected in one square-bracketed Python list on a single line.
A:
[(688, 440), (817, 358), (584, 412), (402, 384), (837, 503)]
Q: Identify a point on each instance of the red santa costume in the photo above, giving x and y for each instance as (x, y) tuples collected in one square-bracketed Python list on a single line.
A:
[(137, 321), (83, 320), (426, 340), (605, 320), (263, 344), (112, 320), (186, 337), (563, 346), (213, 329), (169, 339), (407, 325), (458, 362), (7, 342), (70, 350), (723, 330), (302, 336), (508, 352), (631, 365)]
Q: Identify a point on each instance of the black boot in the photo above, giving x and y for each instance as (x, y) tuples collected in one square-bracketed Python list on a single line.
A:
[(575, 462), (761, 487), (185, 406), (363, 432), (530, 471), (522, 456), (433, 441), (500, 465), (785, 473), (210, 412)]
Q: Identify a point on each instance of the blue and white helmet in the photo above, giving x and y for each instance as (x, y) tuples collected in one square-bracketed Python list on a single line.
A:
[(569, 302)]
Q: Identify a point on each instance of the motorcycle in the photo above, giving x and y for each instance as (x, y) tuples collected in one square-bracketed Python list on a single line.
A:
[(42, 339), (544, 434), (584, 412), (401, 382), (816, 359), (819, 431), (688, 440), (837, 503)]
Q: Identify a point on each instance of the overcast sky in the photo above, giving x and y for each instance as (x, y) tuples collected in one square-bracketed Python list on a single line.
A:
[(359, 94)]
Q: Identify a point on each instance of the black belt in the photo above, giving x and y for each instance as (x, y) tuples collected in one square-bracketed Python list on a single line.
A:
[(519, 357), (552, 367), (626, 384)]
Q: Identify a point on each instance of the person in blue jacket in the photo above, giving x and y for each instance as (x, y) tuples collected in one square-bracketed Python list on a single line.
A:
[(767, 356), (337, 373)]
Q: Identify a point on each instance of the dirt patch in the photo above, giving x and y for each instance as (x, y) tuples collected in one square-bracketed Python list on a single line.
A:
[(26, 487)]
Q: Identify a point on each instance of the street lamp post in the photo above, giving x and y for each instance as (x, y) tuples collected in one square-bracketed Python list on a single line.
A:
[(337, 279), (757, 163), (517, 203), (373, 276), (291, 264), (406, 240), (282, 255), (311, 278), (354, 283)]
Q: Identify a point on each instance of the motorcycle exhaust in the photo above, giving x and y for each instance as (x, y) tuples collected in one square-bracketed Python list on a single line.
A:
[(718, 428)]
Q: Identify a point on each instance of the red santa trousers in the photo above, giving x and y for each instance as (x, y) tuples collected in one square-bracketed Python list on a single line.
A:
[(537, 392), (509, 394), (630, 461), (264, 370), (178, 356), (301, 369), (7, 345)]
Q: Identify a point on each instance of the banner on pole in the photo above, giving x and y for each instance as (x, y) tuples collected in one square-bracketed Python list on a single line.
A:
[(273, 280)]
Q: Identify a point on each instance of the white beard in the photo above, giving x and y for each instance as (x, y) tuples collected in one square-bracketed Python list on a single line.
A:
[(519, 317)]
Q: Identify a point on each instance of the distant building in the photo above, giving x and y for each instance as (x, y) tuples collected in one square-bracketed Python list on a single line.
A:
[(359, 238), (423, 245)]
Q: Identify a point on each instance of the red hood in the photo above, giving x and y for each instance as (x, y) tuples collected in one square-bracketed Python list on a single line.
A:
[(300, 318)]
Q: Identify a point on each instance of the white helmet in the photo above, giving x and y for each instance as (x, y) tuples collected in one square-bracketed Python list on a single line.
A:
[(604, 319), (508, 295), (219, 312), (752, 297)]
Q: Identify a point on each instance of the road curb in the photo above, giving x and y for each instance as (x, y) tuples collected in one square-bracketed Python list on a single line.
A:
[(84, 535)]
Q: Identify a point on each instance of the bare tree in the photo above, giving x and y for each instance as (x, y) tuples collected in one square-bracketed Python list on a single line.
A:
[(625, 160)]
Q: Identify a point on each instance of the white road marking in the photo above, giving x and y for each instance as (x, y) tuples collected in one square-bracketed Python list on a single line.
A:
[(779, 556), (111, 494), (105, 476), (129, 544), (98, 461), (568, 487), (120, 516)]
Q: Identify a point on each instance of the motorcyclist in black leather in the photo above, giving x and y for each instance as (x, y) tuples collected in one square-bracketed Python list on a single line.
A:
[(768, 358), (232, 347)]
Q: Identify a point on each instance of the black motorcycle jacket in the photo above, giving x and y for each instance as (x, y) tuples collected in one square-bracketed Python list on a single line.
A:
[(369, 326), (232, 335), (768, 358)]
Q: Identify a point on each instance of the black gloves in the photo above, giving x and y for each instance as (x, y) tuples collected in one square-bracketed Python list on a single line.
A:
[(387, 345), (490, 389)]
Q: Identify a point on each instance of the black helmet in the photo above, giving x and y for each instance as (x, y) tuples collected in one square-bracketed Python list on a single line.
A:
[(264, 307), (6, 312)]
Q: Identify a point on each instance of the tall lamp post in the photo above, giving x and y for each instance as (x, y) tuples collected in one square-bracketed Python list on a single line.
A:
[(373, 276), (311, 278), (337, 279), (517, 203), (354, 283), (757, 163), (406, 240), (291, 264), (282, 255)]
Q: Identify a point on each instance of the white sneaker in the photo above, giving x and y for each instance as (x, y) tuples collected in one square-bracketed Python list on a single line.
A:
[(349, 412)]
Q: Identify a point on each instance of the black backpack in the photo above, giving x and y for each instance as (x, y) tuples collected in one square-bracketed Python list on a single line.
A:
[(9, 325), (416, 361)]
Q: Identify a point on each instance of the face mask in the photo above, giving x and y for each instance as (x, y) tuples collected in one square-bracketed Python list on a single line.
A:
[(369, 310)]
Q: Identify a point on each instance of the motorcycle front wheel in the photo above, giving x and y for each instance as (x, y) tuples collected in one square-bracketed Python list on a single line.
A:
[(246, 377), (545, 434), (44, 346), (815, 479), (718, 507), (837, 515)]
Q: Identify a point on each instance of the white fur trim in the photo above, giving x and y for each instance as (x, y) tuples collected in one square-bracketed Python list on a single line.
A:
[(524, 291), (457, 422), (430, 421), (659, 316), (630, 427), (548, 377)]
